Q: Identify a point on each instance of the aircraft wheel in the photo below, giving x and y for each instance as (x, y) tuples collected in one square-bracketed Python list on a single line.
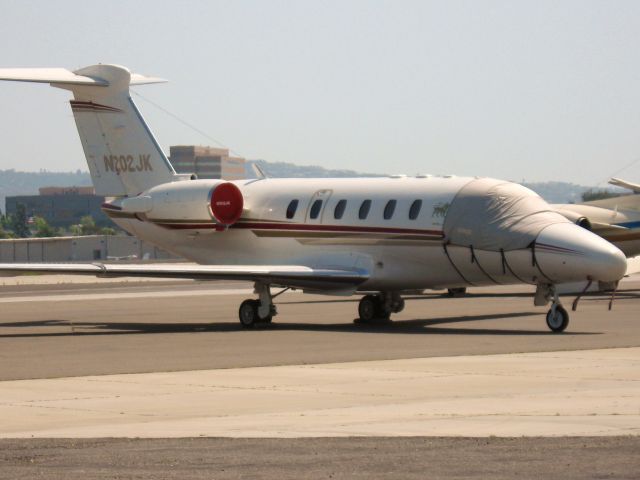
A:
[(266, 319), (368, 308), (248, 313), (557, 323), (399, 306), (456, 292)]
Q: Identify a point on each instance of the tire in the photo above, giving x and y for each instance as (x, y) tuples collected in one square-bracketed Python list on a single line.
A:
[(268, 318), (560, 321), (368, 308), (399, 306), (456, 292), (248, 313)]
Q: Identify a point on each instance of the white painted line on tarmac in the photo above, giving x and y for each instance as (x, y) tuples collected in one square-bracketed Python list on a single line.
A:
[(121, 296)]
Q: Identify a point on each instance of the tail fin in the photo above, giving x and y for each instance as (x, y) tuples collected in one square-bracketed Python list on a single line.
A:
[(123, 156)]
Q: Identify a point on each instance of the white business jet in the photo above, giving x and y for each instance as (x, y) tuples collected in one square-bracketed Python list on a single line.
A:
[(379, 236)]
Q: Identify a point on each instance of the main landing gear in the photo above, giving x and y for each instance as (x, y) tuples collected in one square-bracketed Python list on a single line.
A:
[(456, 292), (262, 310), (557, 316), (379, 307)]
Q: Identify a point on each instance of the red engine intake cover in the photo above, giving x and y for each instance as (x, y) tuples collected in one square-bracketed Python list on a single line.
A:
[(226, 203)]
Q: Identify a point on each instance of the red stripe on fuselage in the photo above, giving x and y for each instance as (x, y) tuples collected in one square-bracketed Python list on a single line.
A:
[(303, 227), (333, 228)]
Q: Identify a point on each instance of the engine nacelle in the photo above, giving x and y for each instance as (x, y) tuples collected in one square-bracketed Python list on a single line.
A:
[(197, 201), (576, 218), (226, 203)]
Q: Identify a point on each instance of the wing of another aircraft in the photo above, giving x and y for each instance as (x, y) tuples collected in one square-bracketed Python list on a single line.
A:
[(634, 187), (296, 276), (601, 228)]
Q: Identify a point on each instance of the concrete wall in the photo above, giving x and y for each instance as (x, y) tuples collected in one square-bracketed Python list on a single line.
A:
[(79, 249)]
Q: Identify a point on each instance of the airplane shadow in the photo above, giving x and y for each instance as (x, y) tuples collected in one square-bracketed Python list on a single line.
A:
[(432, 326), (620, 295)]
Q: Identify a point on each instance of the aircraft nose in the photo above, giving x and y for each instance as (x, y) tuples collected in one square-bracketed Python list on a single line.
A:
[(566, 252)]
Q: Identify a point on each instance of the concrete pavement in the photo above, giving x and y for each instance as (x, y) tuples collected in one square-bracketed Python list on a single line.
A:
[(580, 393)]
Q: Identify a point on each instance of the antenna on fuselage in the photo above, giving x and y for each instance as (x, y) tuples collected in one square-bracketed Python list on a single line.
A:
[(258, 171)]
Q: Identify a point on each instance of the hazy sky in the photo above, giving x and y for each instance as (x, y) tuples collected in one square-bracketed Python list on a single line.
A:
[(536, 90)]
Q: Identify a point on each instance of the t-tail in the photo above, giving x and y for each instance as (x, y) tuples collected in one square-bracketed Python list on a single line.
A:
[(123, 156)]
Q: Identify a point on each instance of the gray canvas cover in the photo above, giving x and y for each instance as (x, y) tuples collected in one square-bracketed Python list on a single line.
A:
[(491, 214)]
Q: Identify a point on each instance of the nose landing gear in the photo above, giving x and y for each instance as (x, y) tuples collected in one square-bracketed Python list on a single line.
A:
[(557, 316)]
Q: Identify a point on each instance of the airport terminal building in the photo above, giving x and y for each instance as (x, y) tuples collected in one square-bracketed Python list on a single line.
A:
[(207, 162)]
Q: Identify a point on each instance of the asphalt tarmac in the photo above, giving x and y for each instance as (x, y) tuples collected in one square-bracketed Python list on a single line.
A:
[(323, 458), (56, 331), (62, 331)]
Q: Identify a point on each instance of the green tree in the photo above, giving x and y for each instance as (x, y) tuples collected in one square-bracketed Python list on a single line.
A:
[(19, 222), (6, 233), (87, 226), (595, 194), (43, 229), (5, 222)]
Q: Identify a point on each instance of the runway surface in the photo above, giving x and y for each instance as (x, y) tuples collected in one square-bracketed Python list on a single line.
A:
[(170, 359), (62, 331), (403, 458)]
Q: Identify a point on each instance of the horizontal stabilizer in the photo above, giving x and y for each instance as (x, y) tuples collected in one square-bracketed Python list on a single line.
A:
[(123, 156), (62, 76), (297, 276)]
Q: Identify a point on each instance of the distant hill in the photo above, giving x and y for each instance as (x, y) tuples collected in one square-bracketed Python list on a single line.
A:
[(558, 192), (553, 192), (290, 170), (14, 182)]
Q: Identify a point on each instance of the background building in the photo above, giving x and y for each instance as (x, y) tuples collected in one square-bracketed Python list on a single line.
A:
[(61, 206), (207, 162)]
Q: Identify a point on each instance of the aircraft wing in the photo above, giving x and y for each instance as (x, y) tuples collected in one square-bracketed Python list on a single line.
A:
[(600, 228), (624, 184), (296, 276)]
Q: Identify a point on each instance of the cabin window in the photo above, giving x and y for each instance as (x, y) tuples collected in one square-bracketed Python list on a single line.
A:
[(414, 210), (338, 212), (389, 208), (291, 209), (364, 209), (315, 209)]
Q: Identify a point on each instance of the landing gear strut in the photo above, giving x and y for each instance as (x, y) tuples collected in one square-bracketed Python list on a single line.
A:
[(258, 311), (379, 307), (557, 316)]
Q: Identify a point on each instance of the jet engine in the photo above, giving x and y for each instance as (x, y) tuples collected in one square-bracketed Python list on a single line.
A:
[(192, 201), (576, 218), (226, 203)]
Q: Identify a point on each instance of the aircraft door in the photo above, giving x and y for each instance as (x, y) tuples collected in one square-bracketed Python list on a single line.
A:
[(317, 206)]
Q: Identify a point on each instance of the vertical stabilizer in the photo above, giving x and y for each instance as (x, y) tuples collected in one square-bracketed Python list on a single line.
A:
[(123, 156)]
